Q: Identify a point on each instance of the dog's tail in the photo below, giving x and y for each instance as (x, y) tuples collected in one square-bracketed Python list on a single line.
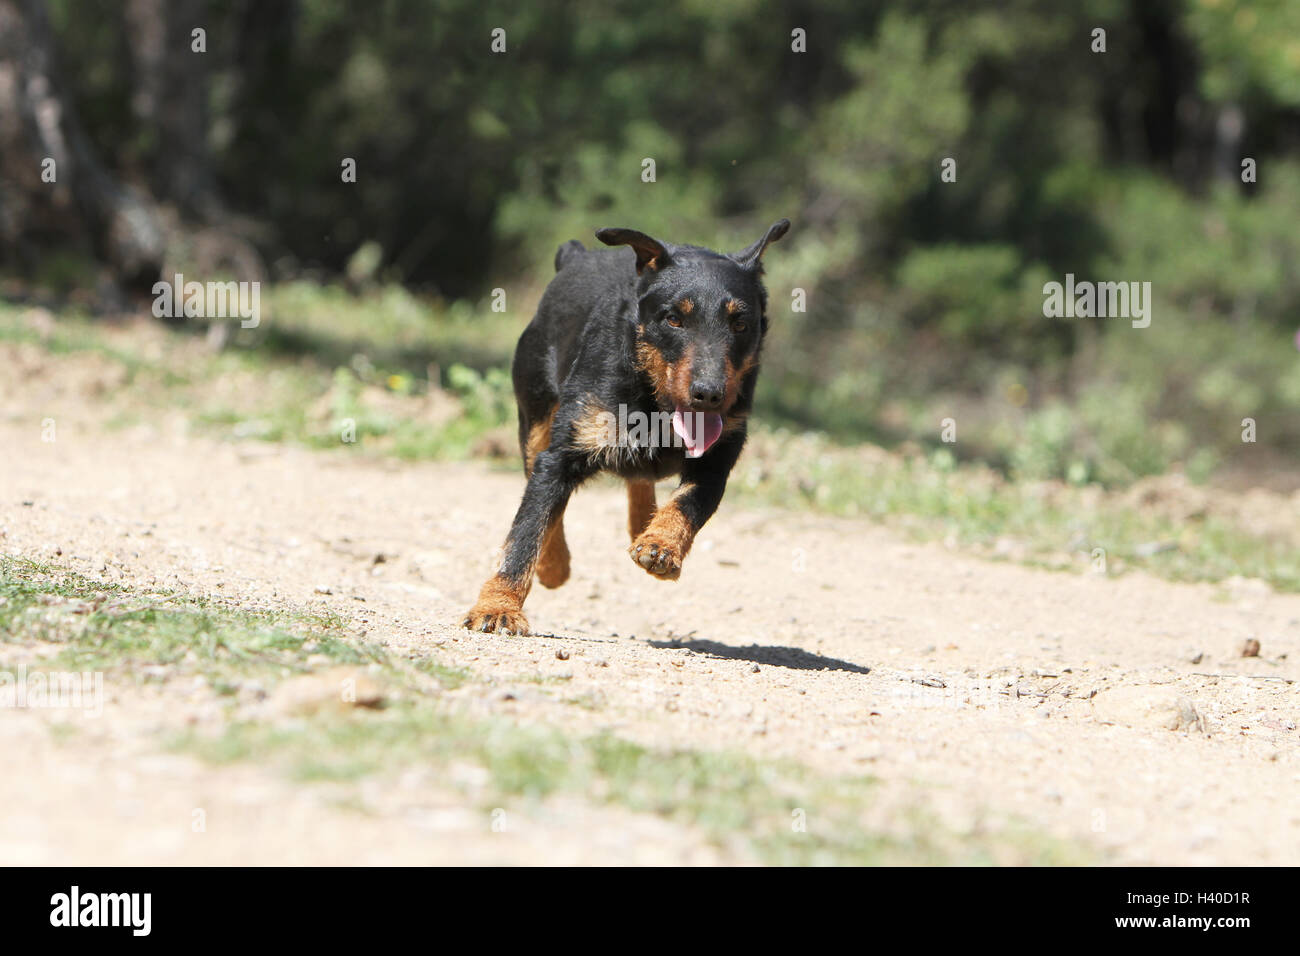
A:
[(566, 252)]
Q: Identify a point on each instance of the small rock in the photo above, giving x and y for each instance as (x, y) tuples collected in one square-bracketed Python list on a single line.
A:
[(1187, 717), (1250, 648), (1148, 707), (338, 689), (561, 654), (1240, 587), (1152, 548)]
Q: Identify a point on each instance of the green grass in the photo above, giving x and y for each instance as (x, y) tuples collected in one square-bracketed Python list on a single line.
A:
[(447, 677), (97, 626), (379, 374), (1055, 524), (729, 797)]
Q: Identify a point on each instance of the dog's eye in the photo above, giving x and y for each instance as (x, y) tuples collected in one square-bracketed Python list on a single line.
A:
[(738, 326), (674, 320)]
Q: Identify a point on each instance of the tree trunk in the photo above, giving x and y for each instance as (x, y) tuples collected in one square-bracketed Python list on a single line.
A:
[(171, 98), (123, 229)]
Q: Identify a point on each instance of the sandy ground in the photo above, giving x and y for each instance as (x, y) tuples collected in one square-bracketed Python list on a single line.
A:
[(1115, 712)]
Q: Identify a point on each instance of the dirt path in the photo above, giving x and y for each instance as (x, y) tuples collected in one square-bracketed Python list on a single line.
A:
[(984, 693)]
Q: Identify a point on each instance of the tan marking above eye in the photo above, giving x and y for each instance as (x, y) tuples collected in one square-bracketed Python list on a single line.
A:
[(735, 307), (686, 306)]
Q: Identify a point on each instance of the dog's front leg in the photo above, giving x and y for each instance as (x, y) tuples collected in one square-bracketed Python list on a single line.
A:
[(662, 546), (499, 607)]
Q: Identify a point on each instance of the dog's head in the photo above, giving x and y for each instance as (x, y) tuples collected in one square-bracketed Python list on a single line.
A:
[(701, 317)]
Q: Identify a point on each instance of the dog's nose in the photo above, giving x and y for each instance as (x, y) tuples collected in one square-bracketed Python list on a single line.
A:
[(706, 396)]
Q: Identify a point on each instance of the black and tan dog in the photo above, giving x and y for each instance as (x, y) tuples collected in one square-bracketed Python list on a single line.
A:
[(641, 362)]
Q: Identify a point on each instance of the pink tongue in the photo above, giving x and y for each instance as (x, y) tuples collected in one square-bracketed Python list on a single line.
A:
[(697, 430)]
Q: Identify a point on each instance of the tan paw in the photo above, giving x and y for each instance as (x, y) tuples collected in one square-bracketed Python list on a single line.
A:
[(496, 619), (552, 575), (553, 565), (657, 555)]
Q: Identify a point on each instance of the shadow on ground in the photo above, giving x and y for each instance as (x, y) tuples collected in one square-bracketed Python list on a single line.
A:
[(792, 657)]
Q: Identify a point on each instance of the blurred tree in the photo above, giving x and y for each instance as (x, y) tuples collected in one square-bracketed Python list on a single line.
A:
[(170, 99), (473, 163), (120, 224)]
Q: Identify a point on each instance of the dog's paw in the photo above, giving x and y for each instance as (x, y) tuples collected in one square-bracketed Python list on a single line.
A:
[(657, 555), (496, 619)]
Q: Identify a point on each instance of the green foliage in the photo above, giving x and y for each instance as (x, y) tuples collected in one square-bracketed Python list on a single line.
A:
[(924, 295), (1251, 47), (880, 142), (1235, 257), (488, 397), (974, 294), (1107, 437)]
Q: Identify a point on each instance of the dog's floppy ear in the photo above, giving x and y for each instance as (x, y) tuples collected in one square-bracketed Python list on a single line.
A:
[(751, 257), (650, 253)]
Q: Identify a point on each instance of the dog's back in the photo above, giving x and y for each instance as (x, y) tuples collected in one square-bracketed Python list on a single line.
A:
[(587, 280), (584, 299), (567, 252)]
